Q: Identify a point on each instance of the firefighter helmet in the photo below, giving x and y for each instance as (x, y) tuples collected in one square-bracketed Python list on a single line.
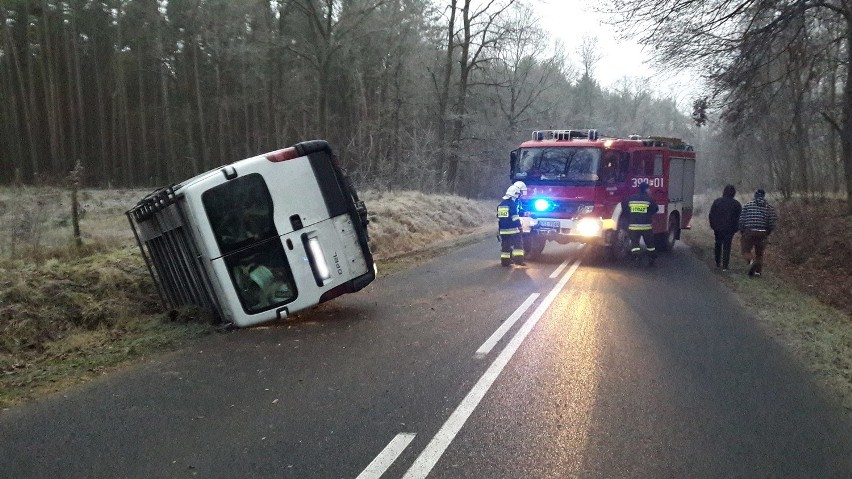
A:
[(517, 189)]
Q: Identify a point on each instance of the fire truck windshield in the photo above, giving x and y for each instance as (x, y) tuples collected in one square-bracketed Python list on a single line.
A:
[(562, 164)]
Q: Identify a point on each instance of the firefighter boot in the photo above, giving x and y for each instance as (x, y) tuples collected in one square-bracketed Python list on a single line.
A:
[(505, 257)]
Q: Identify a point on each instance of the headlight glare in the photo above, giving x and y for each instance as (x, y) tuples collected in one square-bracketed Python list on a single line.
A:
[(589, 226)]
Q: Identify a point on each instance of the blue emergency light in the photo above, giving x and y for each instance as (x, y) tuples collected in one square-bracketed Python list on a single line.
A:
[(541, 204)]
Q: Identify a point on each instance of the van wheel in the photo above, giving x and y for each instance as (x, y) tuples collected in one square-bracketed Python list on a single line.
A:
[(533, 246), (666, 241)]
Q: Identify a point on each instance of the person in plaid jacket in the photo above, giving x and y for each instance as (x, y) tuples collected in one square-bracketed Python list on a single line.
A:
[(757, 221)]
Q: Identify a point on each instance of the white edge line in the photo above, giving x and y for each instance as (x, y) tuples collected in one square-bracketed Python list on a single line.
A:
[(501, 331), (559, 269), (388, 455), (435, 449)]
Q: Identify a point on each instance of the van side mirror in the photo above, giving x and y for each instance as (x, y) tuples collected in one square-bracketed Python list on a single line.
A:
[(513, 162)]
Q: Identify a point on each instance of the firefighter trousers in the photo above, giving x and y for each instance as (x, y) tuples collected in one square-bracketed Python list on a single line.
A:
[(648, 237), (511, 248)]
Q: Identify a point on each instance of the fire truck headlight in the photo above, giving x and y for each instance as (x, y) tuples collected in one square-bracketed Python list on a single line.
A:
[(541, 204), (589, 226)]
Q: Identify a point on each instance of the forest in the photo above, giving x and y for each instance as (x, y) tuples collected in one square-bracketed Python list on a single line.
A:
[(414, 94)]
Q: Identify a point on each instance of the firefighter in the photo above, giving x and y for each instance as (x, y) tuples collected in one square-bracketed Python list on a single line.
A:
[(640, 210), (509, 223)]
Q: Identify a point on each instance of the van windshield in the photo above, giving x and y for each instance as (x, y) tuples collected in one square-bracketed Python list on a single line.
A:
[(559, 164)]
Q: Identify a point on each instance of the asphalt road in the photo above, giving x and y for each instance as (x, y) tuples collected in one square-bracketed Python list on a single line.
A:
[(460, 368)]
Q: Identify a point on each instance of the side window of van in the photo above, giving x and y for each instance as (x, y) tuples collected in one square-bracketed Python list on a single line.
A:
[(240, 212)]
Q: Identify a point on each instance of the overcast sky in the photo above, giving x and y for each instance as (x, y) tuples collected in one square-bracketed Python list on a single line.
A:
[(570, 20)]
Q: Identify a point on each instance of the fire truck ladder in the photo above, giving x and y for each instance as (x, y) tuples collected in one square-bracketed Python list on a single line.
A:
[(564, 135)]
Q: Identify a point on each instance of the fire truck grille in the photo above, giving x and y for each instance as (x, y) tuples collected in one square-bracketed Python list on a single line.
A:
[(561, 208)]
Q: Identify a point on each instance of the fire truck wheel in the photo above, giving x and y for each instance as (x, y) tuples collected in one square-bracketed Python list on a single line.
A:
[(619, 247), (533, 246), (665, 241)]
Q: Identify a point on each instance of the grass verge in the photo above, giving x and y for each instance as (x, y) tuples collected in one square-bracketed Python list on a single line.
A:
[(83, 355), (819, 336)]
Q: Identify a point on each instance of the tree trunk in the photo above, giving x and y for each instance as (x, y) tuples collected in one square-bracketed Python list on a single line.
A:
[(34, 110), (190, 142), (461, 101), (834, 161), (444, 96), (220, 114), (81, 117), (103, 130), (246, 116), (25, 106), (167, 163), (70, 89), (142, 164), (48, 86), (846, 136), (205, 156)]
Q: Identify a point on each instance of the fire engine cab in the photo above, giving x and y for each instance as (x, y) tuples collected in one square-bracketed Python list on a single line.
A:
[(576, 181)]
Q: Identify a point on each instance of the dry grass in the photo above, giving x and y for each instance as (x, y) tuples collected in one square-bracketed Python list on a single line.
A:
[(402, 222), (37, 220)]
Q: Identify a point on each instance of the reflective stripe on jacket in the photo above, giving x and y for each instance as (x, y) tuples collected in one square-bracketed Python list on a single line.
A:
[(640, 210), (509, 216)]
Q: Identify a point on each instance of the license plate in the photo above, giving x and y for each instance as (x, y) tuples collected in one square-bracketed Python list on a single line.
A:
[(549, 224)]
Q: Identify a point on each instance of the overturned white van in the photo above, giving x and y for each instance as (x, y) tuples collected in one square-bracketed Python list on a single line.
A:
[(258, 239)]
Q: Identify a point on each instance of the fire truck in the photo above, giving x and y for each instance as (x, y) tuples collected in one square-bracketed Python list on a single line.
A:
[(576, 180), (258, 239)]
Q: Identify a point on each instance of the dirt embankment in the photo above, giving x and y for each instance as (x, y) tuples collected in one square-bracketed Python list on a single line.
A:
[(813, 249)]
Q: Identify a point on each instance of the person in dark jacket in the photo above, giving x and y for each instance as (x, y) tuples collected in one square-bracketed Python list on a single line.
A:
[(757, 221), (725, 221), (640, 210), (509, 224)]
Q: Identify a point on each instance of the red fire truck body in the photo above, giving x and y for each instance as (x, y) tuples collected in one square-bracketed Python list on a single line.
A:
[(576, 181)]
